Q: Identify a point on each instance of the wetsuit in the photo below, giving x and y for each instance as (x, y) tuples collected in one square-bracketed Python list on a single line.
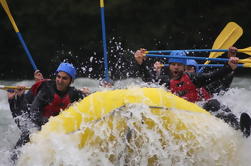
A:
[(27, 109), (19, 107), (49, 102), (221, 85), (20, 110), (198, 80)]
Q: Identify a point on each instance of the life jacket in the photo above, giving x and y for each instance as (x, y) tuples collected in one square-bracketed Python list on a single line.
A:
[(205, 95), (185, 88), (57, 103), (35, 87)]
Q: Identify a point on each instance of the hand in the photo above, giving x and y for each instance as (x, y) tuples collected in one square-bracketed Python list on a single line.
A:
[(85, 91), (232, 51), (11, 93), (233, 62), (157, 66), (139, 56), (20, 90), (38, 76)]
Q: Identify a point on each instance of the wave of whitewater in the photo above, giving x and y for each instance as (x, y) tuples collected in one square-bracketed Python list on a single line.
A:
[(214, 143)]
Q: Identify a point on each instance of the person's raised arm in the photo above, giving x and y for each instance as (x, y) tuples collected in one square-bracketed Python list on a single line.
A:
[(203, 79), (38, 76), (139, 56), (157, 68)]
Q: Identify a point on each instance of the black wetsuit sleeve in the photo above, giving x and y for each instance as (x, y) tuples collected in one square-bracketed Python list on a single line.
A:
[(147, 74), (15, 105), (227, 80), (20, 110), (164, 80), (37, 105), (144, 73), (220, 85), (203, 79), (29, 97), (76, 95)]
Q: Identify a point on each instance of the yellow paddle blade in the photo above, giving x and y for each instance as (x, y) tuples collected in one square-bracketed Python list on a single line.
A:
[(247, 60), (245, 50), (247, 65), (228, 36), (7, 10), (101, 3)]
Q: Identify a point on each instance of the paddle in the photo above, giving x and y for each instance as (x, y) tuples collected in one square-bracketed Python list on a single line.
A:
[(3, 87), (244, 50), (104, 40), (247, 60), (245, 65), (228, 36), (6, 8)]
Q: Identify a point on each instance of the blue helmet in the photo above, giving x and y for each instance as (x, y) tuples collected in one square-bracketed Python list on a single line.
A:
[(68, 68), (177, 60), (191, 62)]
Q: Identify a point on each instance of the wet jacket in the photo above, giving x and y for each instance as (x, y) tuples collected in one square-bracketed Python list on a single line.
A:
[(19, 110), (221, 85), (49, 102), (193, 81), (204, 93), (20, 105), (185, 88)]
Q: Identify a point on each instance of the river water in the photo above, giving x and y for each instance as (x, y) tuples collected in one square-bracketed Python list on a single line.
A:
[(212, 152)]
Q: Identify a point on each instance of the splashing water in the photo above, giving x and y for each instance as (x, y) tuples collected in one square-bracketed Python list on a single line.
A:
[(134, 135)]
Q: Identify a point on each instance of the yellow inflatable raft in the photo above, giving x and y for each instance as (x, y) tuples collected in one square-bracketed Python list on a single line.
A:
[(127, 121), (99, 104)]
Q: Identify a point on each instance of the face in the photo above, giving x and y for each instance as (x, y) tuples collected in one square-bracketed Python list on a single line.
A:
[(176, 69), (190, 69), (63, 81)]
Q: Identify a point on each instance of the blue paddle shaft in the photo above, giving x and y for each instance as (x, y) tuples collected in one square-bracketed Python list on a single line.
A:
[(187, 57), (192, 50), (27, 51), (210, 65), (104, 43)]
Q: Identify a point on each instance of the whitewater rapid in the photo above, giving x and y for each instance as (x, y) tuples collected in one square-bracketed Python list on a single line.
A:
[(68, 153)]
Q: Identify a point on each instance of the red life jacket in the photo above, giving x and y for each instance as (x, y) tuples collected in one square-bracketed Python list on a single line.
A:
[(56, 105), (35, 87), (205, 95), (185, 88)]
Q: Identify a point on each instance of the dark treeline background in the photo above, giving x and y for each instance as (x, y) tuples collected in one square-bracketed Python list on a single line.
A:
[(58, 30)]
